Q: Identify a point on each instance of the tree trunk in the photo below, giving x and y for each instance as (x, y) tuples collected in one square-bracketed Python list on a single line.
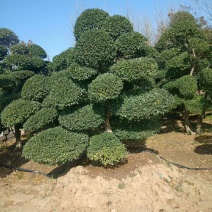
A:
[(199, 125), (107, 123), (186, 123), (18, 143)]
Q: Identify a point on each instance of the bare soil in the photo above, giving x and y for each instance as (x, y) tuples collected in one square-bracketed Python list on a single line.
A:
[(144, 183)]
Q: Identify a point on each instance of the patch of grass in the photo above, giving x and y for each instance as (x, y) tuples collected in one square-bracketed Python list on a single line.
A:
[(121, 185)]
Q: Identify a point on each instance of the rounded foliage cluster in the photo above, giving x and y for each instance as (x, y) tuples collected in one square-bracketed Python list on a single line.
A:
[(64, 92), (35, 88), (141, 130), (20, 48), (117, 25), (55, 146), (205, 80), (80, 73), (41, 119), (8, 37), (134, 69), (83, 118), (95, 49), (106, 149), (104, 87), (18, 111), (36, 50), (187, 86), (151, 104), (89, 19), (130, 45)]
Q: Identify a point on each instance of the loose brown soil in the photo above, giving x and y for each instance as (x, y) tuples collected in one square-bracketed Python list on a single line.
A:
[(144, 183)]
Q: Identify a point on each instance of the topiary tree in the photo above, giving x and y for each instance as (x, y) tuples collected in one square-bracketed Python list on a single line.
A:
[(185, 51), (95, 49), (117, 25), (89, 19), (16, 113), (108, 100), (20, 48), (36, 50)]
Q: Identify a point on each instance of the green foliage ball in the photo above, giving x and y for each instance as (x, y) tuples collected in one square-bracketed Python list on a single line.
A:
[(82, 118), (8, 37), (187, 86), (117, 25), (80, 73), (105, 87), (151, 104), (134, 69), (55, 146), (106, 149), (36, 50), (35, 88), (89, 19), (205, 79), (18, 111), (41, 119), (130, 45), (95, 49), (20, 48)]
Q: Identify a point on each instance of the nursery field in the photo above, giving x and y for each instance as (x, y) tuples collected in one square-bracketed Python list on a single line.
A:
[(145, 182)]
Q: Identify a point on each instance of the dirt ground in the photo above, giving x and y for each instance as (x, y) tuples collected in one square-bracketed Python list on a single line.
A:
[(144, 183)]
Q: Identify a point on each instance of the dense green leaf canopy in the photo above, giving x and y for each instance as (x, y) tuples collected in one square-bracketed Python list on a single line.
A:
[(95, 49), (117, 25), (35, 88), (104, 87), (41, 119), (20, 48), (36, 50), (83, 118), (3, 52), (146, 106), (134, 69), (17, 112), (8, 37), (205, 80), (80, 73), (55, 146), (130, 45), (106, 149), (89, 19)]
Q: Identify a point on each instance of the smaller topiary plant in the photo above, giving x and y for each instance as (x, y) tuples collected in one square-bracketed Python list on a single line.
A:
[(55, 146), (41, 119), (106, 149)]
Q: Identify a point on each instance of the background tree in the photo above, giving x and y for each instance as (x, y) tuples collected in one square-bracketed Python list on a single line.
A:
[(107, 99), (8, 37), (184, 52)]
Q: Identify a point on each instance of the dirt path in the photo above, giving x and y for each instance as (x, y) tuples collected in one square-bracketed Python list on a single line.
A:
[(145, 183)]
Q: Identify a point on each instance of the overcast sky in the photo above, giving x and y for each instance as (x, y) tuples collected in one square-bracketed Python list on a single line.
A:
[(49, 23)]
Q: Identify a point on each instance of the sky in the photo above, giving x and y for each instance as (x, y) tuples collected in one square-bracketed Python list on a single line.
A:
[(49, 23)]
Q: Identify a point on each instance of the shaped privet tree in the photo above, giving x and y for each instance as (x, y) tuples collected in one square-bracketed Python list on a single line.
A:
[(184, 52), (97, 102)]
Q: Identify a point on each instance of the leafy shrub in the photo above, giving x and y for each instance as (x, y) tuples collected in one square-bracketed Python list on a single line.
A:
[(117, 25), (141, 130), (55, 146), (89, 19), (36, 50), (78, 72), (20, 48), (95, 49), (130, 45), (205, 79), (35, 88), (104, 87), (83, 118), (41, 119), (105, 149), (151, 104), (18, 112), (64, 92), (134, 69), (187, 86)]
